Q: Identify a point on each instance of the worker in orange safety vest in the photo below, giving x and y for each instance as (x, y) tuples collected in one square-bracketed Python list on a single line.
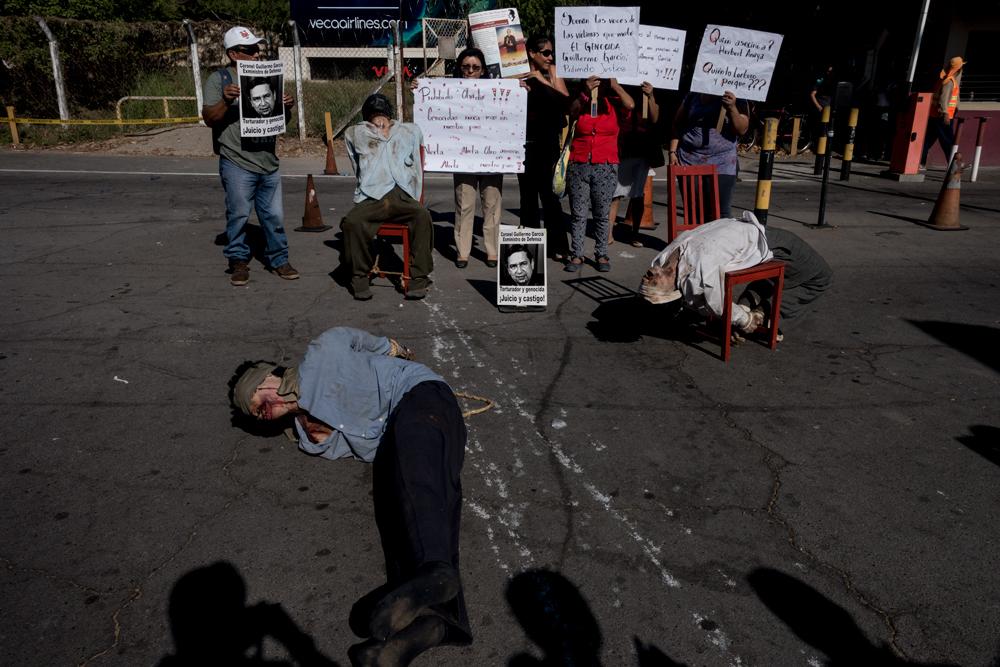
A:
[(944, 104)]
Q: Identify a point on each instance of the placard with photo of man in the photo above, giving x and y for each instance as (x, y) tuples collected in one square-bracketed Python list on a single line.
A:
[(261, 87), (521, 277)]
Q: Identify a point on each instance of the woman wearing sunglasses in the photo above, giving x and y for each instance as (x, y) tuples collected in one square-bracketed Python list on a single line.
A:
[(548, 99), (471, 64)]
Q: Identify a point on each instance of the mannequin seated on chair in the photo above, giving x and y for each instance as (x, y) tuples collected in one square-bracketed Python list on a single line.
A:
[(385, 155), (693, 267)]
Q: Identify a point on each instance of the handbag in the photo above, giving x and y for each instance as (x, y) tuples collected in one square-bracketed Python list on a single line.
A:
[(562, 164)]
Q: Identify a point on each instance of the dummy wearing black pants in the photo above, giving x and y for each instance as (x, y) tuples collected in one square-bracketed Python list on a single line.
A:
[(356, 395)]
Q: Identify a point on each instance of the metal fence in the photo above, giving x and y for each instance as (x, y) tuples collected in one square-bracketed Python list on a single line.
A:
[(65, 76)]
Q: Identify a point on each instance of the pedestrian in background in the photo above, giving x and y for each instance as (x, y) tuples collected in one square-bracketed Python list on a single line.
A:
[(944, 104)]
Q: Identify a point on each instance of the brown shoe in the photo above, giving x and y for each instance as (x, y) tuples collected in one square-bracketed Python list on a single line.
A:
[(239, 273), (286, 271)]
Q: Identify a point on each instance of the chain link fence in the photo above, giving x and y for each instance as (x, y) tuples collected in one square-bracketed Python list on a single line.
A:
[(113, 74), (443, 40)]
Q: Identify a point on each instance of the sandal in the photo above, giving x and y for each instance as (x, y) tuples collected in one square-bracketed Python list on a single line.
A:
[(603, 264), (574, 265)]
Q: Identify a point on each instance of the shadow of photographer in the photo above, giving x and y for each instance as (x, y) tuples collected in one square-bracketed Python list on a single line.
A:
[(212, 624)]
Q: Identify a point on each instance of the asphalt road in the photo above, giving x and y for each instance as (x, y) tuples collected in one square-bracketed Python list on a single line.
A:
[(831, 502)]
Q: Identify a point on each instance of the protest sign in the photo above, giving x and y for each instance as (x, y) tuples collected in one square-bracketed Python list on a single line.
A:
[(597, 41), (472, 125), (736, 59), (521, 277), (497, 33), (660, 53), (262, 113)]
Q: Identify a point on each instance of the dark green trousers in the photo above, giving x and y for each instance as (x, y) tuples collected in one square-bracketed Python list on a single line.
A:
[(361, 224)]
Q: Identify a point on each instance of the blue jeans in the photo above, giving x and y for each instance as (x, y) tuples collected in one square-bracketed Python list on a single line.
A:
[(263, 192)]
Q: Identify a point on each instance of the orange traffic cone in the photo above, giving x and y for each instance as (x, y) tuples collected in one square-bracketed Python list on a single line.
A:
[(944, 217), (331, 161), (312, 220)]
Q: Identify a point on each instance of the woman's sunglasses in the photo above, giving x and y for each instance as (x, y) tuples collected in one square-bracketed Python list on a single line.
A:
[(247, 50), (547, 53)]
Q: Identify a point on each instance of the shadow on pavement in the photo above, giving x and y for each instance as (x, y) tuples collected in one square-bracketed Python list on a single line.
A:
[(985, 441), (556, 617), (212, 624), (486, 288), (820, 622), (978, 341)]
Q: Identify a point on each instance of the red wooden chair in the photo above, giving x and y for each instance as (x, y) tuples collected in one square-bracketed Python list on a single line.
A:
[(772, 270), (690, 181), (400, 230)]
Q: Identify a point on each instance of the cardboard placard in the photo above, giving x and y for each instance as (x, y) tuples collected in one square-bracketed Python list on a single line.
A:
[(472, 125), (736, 59), (262, 113), (599, 41)]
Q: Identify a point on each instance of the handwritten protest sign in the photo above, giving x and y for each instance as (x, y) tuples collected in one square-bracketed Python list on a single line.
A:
[(472, 125), (521, 276), (736, 59), (262, 113), (660, 54), (497, 33), (597, 41)]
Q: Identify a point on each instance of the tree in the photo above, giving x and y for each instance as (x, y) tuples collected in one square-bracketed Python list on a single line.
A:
[(538, 16)]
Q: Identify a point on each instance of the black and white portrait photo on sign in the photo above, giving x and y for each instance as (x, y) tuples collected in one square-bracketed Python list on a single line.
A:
[(262, 113), (521, 277)]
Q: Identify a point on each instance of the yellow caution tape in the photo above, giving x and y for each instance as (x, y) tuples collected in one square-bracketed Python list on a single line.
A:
[(180, 49), (104, 121)]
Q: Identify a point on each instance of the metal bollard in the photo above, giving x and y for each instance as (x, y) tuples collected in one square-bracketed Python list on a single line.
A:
[(979, 147), (765, 169), (956, 126), (825, 169), (845, 164), (793, 149), (821, 141)]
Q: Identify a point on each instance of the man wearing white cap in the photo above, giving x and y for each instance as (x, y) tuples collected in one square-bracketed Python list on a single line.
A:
[(248, 166)]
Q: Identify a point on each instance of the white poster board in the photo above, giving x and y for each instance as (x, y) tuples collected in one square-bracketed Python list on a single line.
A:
[(262, 113), (736, 59), (521, 277), (660, 53), (599, 41), (497, 33), (472, 125)]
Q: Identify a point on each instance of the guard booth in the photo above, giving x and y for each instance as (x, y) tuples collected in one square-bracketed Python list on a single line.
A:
[(908, 142)]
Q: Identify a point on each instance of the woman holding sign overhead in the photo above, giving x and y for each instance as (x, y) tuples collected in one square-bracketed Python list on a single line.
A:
[(706, 129), (593, 164), (548, 98), (471, 64)]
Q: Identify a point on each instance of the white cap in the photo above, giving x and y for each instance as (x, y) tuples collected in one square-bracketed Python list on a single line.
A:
[(240, 36)]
